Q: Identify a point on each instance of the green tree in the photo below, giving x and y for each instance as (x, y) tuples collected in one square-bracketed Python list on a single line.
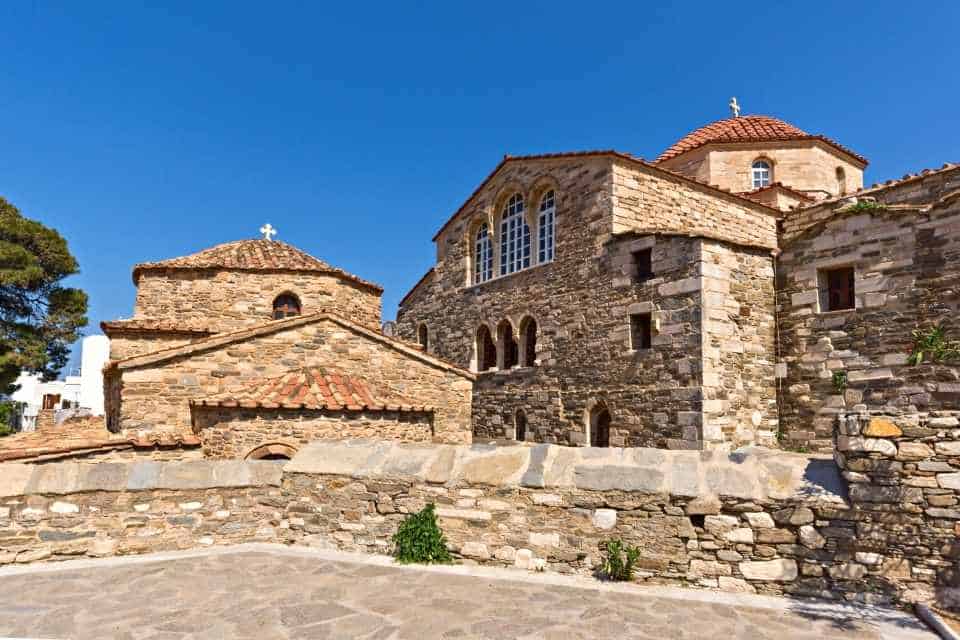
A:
[(39, 318)]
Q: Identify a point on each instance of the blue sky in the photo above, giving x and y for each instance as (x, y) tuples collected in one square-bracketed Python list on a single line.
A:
[(356, 129)]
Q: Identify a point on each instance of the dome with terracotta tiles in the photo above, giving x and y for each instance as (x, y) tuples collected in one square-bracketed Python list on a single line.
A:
[(746, 129)]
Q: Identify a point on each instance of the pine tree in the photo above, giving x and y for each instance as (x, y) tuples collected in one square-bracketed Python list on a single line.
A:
[(39, 318)]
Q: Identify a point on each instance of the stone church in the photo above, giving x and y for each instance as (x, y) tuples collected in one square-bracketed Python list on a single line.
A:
[(256, 348), (742, 288)]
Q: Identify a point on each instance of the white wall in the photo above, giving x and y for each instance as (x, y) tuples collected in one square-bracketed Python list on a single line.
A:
[(95, 351)]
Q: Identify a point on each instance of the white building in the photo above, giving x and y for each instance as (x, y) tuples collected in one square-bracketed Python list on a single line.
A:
[(83, 392)]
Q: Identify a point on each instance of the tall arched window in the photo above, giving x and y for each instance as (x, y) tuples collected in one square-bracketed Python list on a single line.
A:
[(528, 342), (841, 181), (423, 337), (600, 426), (286, 305), (482, 255), (508, 346), (761, 174), (514, 237), (520, 426), (486, 350), (545, 226)]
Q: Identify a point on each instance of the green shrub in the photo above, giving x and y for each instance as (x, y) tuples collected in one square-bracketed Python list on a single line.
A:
[(419, 539), (619, 561), (933, 343), (840, 381), (867, 206)]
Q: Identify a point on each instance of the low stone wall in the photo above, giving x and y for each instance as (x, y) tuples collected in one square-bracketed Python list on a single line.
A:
[(754, 520)]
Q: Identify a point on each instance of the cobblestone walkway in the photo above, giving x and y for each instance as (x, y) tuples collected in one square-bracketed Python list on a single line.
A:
[(265, 594)]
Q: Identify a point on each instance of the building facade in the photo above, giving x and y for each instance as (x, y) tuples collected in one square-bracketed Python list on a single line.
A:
[(604, 300)]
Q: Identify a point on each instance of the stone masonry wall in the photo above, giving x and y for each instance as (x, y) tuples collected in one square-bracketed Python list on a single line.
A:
[(227, 300), (764, 521), (905, 259), (234, 433), (156, 396), (739, 345), (126, 344)]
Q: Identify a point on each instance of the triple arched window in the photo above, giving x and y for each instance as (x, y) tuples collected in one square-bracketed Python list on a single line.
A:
[(516, 241)]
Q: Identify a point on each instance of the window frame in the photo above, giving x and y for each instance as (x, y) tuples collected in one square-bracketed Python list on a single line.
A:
[(643, 275), (845, 277), (515, 249), (641, 331), (547, 227), (482, 254), (765, 171), (279, 306)]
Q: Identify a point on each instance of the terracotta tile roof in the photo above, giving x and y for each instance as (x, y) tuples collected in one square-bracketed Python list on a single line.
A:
[(747, 129), (654, 168), (881, 186), (151, 325), (271, 326), (313, 388), (83, 436), (252, 255)]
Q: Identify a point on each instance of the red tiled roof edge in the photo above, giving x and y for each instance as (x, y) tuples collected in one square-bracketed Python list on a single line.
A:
[(777, 185), (878, 187), (144, 325), (601, 153)]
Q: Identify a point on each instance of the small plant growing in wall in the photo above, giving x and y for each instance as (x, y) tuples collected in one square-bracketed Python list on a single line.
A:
[(419, 539), (619, 561), (867, 206), (840, 381), (932, 344)]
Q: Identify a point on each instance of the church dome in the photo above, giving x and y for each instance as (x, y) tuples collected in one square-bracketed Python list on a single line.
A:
[(746, 129), (250, 255)]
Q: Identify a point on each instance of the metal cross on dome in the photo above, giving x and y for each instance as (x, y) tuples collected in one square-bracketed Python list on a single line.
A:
[(734, 107), (268, 231)]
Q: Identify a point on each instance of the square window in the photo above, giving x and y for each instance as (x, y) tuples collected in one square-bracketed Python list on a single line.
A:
[(837, 290), (641, 331), (643, 263)]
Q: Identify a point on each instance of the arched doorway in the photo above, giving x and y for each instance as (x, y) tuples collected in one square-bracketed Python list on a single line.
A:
[(486, 350), (600, 426), (520, 426)]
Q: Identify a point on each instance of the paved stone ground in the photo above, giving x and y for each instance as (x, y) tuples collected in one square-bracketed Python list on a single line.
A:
[(268, 592)]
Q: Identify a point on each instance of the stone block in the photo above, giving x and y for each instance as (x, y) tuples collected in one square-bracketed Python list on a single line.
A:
[(709, 505), (709, 568), (811, 538), (847, 571), (882, 428), (476, 550), (104, 476), (743, 535), (496, 468), (523, 559), (618, 478), (195, 474), (780, 570), (734, 585), (759, 520), (605, 519), (547, 499), (463, 514), (867, 445), (948, 448), (914, 451), (718, 525), (144, 475), (544, 539), (64, 507), (14, 479), (949, 480)]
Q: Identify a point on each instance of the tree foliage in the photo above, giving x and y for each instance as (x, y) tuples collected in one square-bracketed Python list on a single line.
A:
[(39, 318)]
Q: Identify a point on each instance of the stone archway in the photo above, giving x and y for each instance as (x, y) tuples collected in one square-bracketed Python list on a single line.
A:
[(272, 451), (598, 422)]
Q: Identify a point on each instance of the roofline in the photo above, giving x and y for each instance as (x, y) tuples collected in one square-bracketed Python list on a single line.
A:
[(333, 271), (230, 403), (850, 153), (110, 327), (273, 326), (776, 185), (611, 153), (879, 187), (422, 279)]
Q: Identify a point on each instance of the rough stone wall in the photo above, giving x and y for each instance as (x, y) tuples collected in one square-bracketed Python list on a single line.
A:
[(764, 521), (904, 474), (227, 300), (234, 433), (906, 276), (134, 343), (644, 202), (803, 165), (156, 396), (739, 345)]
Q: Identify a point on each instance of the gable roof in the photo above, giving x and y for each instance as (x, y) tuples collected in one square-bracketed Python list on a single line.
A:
[(252, 255), (756, 128), (610, 153), (273, 326), (151, 325), (313, 388), (778, 186)]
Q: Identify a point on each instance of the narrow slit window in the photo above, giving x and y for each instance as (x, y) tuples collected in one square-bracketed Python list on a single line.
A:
[(546, 227), (643, 263), (641, 331)]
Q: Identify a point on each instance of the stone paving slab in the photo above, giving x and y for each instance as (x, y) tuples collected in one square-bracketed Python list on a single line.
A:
[(269, 591)]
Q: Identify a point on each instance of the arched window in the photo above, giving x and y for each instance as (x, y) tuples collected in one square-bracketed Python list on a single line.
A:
[(600, 426), (508, 346), (520, 426), (841, 181), (486, 350), (482, 255), (286, 305), (545, 226), (273, 451), (761, 174), (423, 337), (514, 237), (528, 342)]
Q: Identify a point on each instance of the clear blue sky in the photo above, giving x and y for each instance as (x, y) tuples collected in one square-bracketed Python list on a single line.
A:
[(356, 129)]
